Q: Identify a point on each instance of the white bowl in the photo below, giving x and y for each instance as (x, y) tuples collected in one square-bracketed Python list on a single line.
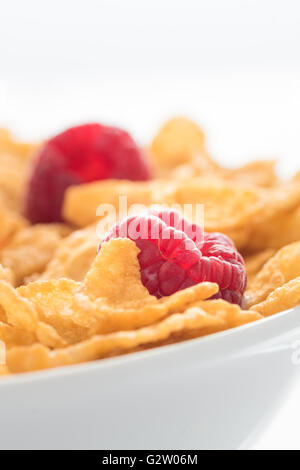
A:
[(215, 392)]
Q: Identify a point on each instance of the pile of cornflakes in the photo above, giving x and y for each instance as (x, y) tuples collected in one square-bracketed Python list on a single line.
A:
[(61, 303)]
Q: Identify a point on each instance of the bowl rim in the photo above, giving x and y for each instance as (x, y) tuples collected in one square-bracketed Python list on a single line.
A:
[(264, 326)]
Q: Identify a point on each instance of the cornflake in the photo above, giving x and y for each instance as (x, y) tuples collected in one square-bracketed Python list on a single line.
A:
[(282, 298), (280, 269), (31, 248)]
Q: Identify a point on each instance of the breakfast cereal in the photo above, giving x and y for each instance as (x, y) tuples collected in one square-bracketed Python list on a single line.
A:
[(76, 286)]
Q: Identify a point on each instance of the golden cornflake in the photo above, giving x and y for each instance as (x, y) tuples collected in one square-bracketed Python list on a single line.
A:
[(31, 248), (279, 270), (282, 298), (193, 322)]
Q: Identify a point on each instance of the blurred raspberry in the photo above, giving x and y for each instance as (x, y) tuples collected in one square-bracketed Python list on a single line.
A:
[(79, 155)]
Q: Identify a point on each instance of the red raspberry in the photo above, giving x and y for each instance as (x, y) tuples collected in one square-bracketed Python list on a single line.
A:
[(170, 260), (80, 155)]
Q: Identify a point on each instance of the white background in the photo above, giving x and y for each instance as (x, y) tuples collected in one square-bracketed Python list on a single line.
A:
[(232, 65)]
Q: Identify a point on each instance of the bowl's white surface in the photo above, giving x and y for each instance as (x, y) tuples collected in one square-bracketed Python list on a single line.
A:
[(208, 393)]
